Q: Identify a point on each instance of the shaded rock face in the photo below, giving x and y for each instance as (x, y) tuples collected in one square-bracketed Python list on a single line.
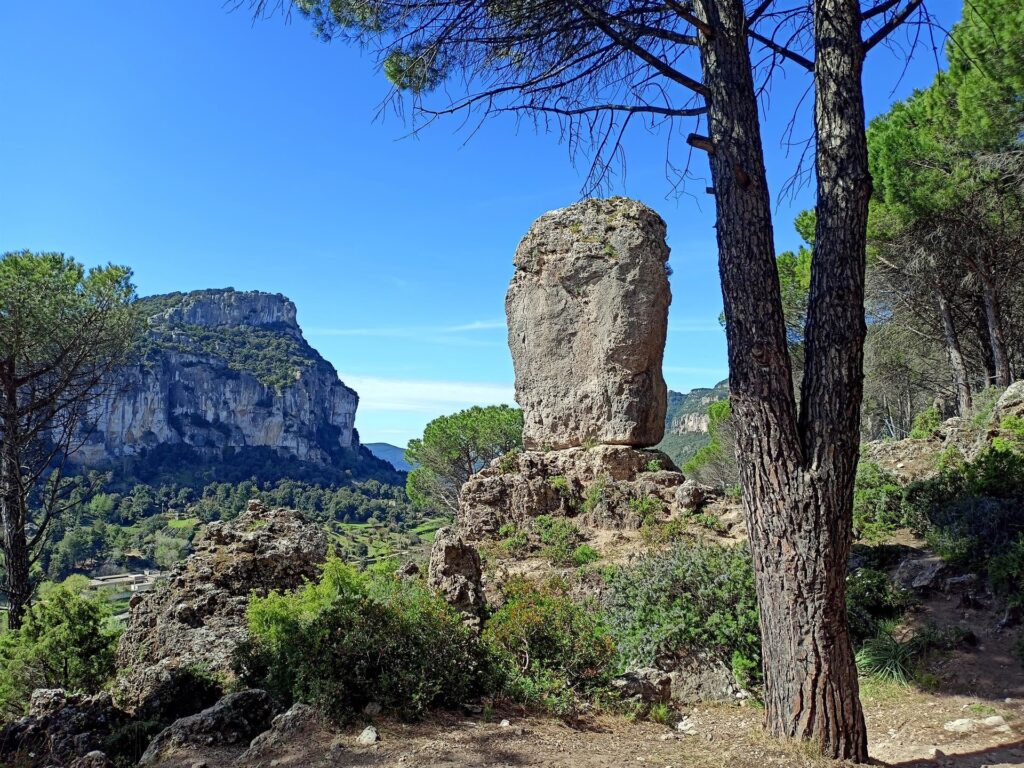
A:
[(195, 622), (61, 729), (587, 319), (456, 574), (595, 484), (235, 719), (1010, 403), (219, 370)]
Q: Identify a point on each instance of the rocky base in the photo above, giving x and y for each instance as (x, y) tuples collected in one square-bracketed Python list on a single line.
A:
[(596, 485), (181, 638)]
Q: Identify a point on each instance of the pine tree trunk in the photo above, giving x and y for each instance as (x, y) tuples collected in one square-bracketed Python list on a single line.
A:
[(17, 563), (955, 355), (993, 319), (796, 472)]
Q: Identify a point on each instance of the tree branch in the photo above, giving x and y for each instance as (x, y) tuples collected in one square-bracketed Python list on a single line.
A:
[(883, 31), (782, 50)]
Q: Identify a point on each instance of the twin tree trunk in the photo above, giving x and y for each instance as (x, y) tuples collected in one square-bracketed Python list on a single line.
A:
[(797, 465)]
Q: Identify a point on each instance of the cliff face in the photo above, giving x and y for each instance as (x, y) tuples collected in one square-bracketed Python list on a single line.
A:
[(222, 370), (688, 412)]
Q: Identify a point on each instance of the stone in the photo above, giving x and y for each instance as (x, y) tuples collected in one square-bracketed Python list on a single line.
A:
[(1010, 403), (587, 319), (687, 726), (647, 684), (94, 759), (235, 719), (699, 678), (408, 571), (197, 619), (505, 724), (299, 726), (692, 495), (456, 574), (372, 709), (368, 736), (963, 725), (60, 729), (920, 573), (597, 483)]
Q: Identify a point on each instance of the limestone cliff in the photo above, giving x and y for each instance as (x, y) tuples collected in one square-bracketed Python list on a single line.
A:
[(220, 370), (686, 421)]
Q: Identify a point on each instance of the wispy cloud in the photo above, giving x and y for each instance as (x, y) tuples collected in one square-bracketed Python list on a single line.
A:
[(708, 371), (427, 396)]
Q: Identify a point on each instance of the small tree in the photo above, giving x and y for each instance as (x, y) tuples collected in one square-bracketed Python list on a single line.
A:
[(63, 333), (454, 447)]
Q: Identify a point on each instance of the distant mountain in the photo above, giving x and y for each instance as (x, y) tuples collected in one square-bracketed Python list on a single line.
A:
[(225, 381), (392, 454), (686, 420)]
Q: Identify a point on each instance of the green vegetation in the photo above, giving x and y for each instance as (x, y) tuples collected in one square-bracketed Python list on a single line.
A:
[(877, 503), (66, 641), (715, 463), (548, 649), (926, 423), (563, 542), (455, 447), (695, 598), (355, 638)]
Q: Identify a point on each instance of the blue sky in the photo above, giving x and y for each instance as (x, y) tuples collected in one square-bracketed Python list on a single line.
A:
[(207, 151)]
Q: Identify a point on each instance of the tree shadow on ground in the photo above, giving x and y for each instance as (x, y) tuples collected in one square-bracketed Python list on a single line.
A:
[(1004, 754)]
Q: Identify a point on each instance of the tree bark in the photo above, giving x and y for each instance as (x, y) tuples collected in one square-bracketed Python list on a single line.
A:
[(993, 319), (17, 564), (797, 472), (956, 356)]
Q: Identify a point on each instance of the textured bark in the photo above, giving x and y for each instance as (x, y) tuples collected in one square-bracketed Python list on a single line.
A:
[(993, 320), (796, 470), (16, 560), (955, 354)]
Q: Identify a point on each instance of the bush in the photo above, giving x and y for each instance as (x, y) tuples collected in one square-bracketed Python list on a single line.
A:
[(871, 599), (562, 540), (877, 503), (513, 539), (888, 658), (548, 649), (66, 641), (1006, 572), (926, 423), (693, 598), (355, 638)]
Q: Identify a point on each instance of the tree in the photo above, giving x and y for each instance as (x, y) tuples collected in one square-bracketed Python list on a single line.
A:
[(594, 68), (454, 447), (63, 332), (65, 642)]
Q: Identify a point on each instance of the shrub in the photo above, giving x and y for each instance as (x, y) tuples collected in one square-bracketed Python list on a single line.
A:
[(548, 649), (646, 507), (513, 539), (355, 638), (1006, 572), (584, 554), (695, 598), (984, 404), (654, 465), (561, 539), (66, 641), (888, 658), (877, 503), (926, 423), (871, 599)]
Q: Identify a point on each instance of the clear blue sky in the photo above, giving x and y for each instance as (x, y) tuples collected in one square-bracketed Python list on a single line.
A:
[(207, 151)]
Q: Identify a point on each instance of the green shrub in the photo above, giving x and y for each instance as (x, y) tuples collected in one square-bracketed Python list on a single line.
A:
[(514, 539), (594, 495), (1006, 572), (66, 641), (984, 404), (886, 657), (871, 599), (654, 532), (654, 465), (561, 539), (877, 503), (694, 597), (548, 649), (1014, 425), (646, 507), (584, 554), (926, 423), (355, 638)]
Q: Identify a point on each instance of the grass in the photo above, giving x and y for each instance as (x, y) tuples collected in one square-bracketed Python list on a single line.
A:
[(186, 525)]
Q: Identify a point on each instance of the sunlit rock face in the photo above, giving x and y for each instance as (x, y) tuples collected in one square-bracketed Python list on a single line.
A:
[(587, 320), (222, 370)]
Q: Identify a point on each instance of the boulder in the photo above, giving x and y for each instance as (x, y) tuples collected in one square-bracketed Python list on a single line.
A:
[(456, 574), (699, 678), (176, 653), (587, 320), (1010, 403), (920, 573), (60, 729), (649, 684), (94, 759), (236, 719)]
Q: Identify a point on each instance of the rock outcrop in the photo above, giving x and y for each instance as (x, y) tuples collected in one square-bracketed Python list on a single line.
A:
[(184, 634), (219, 370), (456, 574), (236, 719), (597, 484), (61, 729), (587, 318)]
